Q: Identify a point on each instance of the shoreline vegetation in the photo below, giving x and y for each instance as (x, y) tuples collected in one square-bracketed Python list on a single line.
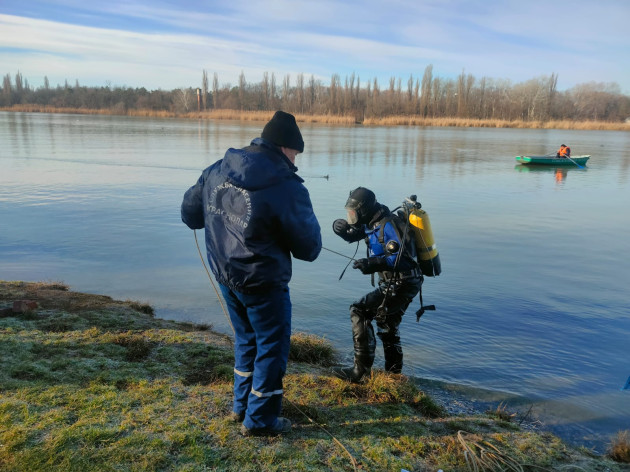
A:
[(330, 119), (91, 383)]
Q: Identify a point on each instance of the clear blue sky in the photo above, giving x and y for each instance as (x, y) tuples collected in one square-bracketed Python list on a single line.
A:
[(167, 43)]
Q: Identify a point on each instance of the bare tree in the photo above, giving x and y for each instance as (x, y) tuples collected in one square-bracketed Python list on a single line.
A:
[(185, 98), (376, 99), (6, 90), (204, 89), (412, 96), (286, 92), (215, 91), (551, 93), (425, 94), (311, 93), (272, 90), (299, 93), (241, 90), (464, 86), (265, 91), (19, 84), (347, 96), (335, 86)]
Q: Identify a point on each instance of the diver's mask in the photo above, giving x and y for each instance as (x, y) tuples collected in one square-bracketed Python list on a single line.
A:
[(360, 206)]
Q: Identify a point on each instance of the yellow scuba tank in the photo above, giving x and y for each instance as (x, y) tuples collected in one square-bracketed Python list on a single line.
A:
[(420, 226)]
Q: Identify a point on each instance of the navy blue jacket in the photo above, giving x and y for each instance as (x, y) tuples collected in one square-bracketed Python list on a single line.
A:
[(256, 213)]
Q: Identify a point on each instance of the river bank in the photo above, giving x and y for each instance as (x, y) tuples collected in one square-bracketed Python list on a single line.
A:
[(344, 120), (92, 383)]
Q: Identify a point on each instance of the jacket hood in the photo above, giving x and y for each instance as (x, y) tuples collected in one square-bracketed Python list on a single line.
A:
[(257, 166)]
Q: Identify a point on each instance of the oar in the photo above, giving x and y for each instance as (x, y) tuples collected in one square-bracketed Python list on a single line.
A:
[(574, 162)]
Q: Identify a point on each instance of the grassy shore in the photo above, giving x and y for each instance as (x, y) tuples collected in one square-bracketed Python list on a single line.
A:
[(88, 383), (345, 120)]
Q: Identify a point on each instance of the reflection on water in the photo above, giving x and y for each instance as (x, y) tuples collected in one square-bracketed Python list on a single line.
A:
[(531, 301), (559, 173)]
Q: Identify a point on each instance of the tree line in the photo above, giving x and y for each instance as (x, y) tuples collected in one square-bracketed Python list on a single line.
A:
[(429, 96)]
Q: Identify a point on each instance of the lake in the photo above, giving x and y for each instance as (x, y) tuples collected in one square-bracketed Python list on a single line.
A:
[(532, 302)]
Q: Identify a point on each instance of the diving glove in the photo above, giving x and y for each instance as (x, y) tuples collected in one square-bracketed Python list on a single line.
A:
[(371, 264), (346, 231)]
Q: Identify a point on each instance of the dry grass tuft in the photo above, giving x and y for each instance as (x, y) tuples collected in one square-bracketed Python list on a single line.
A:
[(142, 307), (138, 346), (501, 413), (620, 447), (383, 387), (52, 286), (311, 349), (482, 455)]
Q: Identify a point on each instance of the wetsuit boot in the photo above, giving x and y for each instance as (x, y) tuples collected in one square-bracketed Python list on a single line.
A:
[(392, 349), (364, 348), (393, 358), (389, 334), (355, 374)]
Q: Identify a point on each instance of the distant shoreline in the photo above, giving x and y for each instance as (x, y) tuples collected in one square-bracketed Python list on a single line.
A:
[(343, 120)]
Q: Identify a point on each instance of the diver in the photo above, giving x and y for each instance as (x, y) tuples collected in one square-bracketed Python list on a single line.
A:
[(392, 254)]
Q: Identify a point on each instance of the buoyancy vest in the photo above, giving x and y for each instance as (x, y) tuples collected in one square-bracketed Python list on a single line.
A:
[(407, 260)]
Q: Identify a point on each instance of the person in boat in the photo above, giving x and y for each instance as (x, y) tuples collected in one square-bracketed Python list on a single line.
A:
[(257, 215), (564, 151), (400, 280)]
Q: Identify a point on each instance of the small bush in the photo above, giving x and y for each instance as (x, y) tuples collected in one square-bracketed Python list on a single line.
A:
[(142, 308), (620, 447)]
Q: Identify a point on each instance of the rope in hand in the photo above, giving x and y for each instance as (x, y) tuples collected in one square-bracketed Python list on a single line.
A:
[(354, 463)]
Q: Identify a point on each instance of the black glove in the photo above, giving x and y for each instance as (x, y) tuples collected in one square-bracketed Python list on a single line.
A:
[(340, 227), (346, 231), (371, 265)]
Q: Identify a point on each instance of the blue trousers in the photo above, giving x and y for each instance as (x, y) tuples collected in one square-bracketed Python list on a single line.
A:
[(262, 329)]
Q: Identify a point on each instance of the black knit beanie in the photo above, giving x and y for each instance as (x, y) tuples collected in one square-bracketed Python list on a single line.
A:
[(282, 130)]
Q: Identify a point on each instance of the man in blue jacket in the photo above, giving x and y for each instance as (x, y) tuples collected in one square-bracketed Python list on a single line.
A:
[(257, 213)]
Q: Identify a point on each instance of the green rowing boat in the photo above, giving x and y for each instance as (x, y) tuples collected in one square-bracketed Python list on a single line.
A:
[(552, 160)]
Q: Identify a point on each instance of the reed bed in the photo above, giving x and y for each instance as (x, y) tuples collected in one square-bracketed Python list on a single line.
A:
[(343, 120), (266, 116), (415, 120)]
